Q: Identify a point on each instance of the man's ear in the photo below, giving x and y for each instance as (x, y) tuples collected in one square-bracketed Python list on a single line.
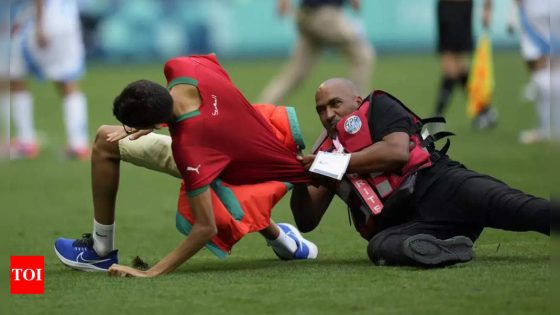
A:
[(359, 100)]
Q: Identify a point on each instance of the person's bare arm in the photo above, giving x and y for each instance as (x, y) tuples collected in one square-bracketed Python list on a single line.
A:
[(387, 155), (283, 7), (356, 5), (39, 29), (203, 230), (487, 13), (121, 134), (308, 204)]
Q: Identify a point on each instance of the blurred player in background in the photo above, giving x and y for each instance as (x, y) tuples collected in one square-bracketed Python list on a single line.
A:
[(534, 37), (47, 42), (321, 23), (455, 41), (4, 81)]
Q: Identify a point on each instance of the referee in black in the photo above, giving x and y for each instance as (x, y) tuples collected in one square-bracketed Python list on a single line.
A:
[(455, 43)]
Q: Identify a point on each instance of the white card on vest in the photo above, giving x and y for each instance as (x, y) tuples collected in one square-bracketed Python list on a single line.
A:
[(329, 164)]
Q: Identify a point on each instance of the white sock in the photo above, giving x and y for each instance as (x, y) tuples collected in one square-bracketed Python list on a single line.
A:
[(22, 113), (75, 119), (541, 79), (5, 121), (284, 245), (555, 103), (103, 238)]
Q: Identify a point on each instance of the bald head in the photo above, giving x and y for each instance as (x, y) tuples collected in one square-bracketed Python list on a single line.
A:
[(334, 99), (340, 85)]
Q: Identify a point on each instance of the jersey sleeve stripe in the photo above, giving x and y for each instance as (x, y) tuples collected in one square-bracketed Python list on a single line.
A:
[(187, 116), (294, 126), (185, 228), (196, 192), (182, 80)]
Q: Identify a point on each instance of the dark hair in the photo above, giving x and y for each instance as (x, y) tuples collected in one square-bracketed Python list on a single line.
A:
[(143, 104)]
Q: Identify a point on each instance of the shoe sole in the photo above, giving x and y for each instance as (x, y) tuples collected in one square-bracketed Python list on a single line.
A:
[(313, 250), (76, 265), (429, 250)]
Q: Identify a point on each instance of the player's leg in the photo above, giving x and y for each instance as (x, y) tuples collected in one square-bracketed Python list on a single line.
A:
[(421, 244), (352, 40), (295, 71), (454, 42), (287, 242), (496, 205), (96, 251), (540, 81), (5, 120), (25, 140), (74, 105), (450, 72), (555, 99), (534, 39)]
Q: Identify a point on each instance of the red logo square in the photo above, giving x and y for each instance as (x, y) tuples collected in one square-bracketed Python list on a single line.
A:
[(27, 274)]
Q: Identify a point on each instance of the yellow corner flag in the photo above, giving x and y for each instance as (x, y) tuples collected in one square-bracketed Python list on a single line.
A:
[(481, 78)]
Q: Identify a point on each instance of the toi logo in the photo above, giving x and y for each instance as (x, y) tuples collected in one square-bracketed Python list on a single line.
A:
[(27, 274)]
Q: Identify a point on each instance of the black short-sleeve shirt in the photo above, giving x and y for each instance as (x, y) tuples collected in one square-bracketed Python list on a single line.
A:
[(386, 116)]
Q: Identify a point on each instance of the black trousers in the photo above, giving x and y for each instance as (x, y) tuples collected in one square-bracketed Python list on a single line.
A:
[(451, 200)]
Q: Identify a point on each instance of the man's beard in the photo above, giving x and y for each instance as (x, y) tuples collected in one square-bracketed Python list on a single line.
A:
[(332, 129)]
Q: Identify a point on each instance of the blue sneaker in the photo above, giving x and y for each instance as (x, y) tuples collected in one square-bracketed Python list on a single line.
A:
[(79, 254), (305, 249)]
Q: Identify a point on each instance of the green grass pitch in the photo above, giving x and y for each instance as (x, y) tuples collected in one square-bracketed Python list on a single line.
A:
[(50, 197)]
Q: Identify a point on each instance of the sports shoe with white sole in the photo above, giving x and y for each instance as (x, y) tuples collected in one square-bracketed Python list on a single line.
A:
[(431, 251), (305, 249), (79, 254)]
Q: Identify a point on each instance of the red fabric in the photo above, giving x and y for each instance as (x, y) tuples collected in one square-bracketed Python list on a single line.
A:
[(229, 139), (256, 201)]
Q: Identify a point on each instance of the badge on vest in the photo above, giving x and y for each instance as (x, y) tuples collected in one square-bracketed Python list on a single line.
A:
[(353, 124)]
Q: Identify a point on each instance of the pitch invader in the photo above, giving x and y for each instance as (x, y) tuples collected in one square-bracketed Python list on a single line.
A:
[(47, 43)]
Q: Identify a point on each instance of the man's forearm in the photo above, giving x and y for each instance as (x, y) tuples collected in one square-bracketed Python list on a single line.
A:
[(198, 237), (379, 157), (204, 229), (308, 204)]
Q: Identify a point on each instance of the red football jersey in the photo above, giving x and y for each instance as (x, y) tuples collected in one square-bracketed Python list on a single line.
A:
[(226, 137)]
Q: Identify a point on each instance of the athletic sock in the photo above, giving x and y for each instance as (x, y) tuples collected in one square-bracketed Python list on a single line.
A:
[(284, 245), (444, 97), (5, 116), (22, 113), (555, 109), (75, 119), (464, 79), (541, 79), (103, 238)]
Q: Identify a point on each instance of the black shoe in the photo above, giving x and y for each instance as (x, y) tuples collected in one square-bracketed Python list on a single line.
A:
[(430, 251)]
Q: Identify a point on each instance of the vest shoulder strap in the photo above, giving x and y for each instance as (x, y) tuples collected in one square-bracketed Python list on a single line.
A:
[(320, 140)]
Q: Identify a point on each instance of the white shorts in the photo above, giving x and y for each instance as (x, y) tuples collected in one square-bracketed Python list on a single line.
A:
[(63, 59), (536, 30)]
